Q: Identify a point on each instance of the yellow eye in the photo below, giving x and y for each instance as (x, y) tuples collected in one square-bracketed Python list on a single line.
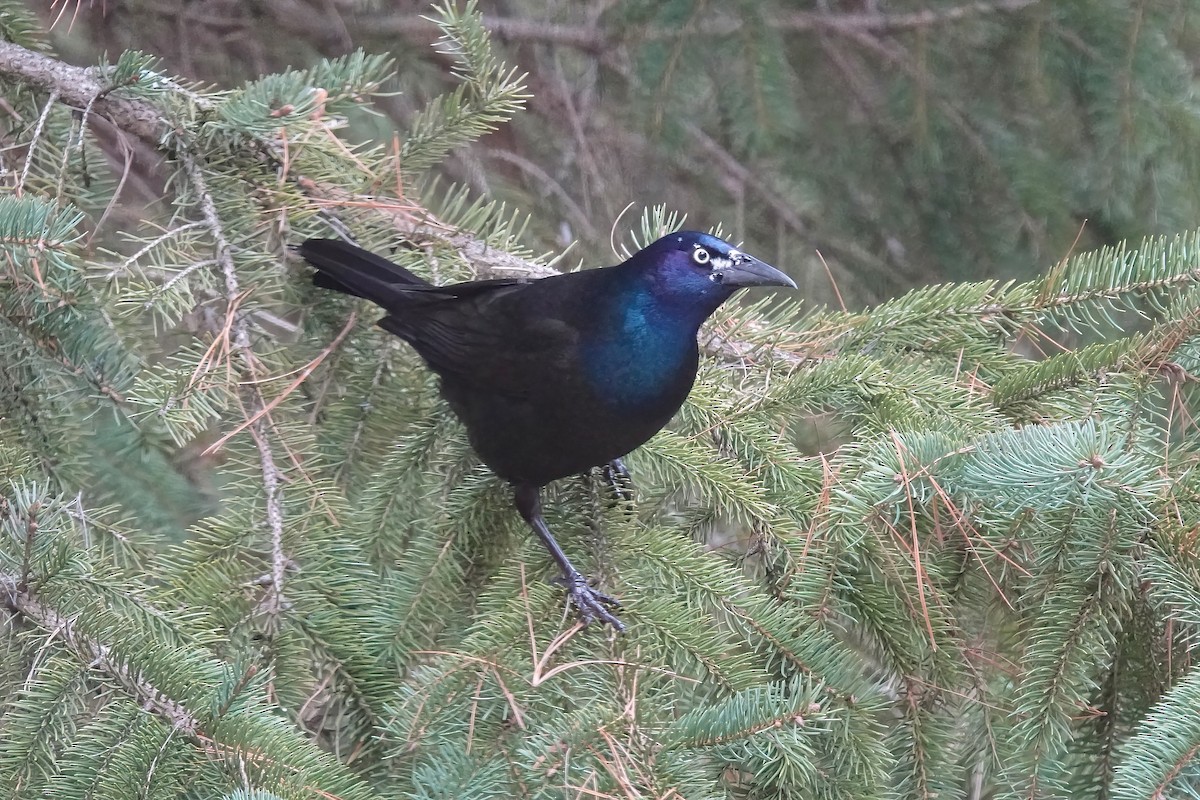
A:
[(700, 256)]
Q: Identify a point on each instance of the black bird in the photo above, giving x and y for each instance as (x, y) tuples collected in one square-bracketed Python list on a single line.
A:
[(557, 375)]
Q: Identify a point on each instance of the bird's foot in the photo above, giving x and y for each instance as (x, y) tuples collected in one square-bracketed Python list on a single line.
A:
[(619, 481), (592, 603)]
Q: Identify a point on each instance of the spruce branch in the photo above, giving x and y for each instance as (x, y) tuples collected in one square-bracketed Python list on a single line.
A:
[(78, 87), (256, 406), (97, 655), (807, 650), (248, 747), (82, 88)]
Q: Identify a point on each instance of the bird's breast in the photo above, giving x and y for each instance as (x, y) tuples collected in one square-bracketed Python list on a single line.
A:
[(641, 362)]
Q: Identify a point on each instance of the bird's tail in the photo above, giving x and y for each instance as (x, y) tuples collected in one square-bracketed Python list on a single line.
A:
[(345, 268)]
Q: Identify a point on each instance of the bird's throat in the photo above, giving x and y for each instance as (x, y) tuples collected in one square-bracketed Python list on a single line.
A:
[(646, 355)]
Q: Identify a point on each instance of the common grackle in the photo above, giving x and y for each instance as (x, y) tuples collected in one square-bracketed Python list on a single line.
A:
[(557, 375)]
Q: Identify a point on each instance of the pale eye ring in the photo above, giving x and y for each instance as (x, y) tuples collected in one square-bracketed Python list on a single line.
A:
[(701, 256)]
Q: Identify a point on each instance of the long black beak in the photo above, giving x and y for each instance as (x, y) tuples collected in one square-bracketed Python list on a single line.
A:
[(745, 270)]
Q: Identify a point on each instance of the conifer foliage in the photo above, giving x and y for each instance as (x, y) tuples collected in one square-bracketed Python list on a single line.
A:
[(920, 550)]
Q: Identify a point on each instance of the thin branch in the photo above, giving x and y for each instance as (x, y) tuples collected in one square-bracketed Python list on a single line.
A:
[(303, 376), (98, 656), (878, 22), (592, 39), (271, 484), (124, 266), (272, 478), (165, 287), (37, 135), (80, 87), (361, 425), (766, 191), (570, 207)]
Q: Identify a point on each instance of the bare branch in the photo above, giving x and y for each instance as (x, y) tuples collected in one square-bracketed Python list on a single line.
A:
[(884, 23), (79, 88), (592, 39), (763, 188), (256, 406), (37, 134)]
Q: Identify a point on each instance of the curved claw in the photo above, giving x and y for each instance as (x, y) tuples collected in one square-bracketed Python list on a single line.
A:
[(592, 604), (620, 482)]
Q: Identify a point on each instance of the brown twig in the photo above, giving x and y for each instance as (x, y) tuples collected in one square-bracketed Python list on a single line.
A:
[(291, 387)]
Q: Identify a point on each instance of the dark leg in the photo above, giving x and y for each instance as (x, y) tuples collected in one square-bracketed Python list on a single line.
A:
[(592, 604), (619, 480)]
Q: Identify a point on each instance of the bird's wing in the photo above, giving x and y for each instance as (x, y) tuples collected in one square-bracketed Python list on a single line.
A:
[(492, 335), (503, 335)]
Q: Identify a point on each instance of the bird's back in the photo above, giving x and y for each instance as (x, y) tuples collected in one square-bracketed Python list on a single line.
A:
[(546, 374)]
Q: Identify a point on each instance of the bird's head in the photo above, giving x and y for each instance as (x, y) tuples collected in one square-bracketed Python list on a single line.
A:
[(689, 262)]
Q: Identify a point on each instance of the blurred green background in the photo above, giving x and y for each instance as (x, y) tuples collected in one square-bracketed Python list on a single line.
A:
[(905, 142)]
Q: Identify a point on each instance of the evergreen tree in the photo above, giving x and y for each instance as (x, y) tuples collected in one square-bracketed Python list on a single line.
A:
[(908, 141), (247, 552)]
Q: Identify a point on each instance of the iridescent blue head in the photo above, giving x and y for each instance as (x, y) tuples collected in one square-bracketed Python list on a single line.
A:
[(644, 353), (701, 270)]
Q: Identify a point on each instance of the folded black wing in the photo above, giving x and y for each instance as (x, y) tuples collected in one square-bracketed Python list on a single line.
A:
[(511, 336), (501, 336)]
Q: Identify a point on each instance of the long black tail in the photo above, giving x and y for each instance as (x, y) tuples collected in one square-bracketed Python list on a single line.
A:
[(345, 268)]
